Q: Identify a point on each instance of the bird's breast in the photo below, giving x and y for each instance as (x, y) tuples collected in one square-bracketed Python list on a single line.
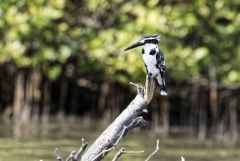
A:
[(149, 57), (150, 62)]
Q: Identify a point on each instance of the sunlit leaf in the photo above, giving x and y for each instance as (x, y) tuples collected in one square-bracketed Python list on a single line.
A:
[(54, 72)]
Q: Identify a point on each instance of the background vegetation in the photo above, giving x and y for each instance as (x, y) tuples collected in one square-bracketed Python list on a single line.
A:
[(65, 57)]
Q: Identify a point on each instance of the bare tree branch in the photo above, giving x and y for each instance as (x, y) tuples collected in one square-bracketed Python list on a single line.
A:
[(139, 121), (127, 120), (122, 151), (116, 130), (139, 88), (70, 158), (81, 150), (154, 152), (118, 154), (58, 154), (114, 133), (182, 158), (149, 89), (104, 153)]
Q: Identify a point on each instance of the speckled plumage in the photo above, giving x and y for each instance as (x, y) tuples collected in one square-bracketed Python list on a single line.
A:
[(155, 65), (153, 59)]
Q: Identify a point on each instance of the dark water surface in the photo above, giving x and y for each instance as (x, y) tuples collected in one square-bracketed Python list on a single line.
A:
[(33, 142)]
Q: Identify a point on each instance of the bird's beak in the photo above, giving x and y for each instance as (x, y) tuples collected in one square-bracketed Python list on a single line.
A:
[(136, 44)]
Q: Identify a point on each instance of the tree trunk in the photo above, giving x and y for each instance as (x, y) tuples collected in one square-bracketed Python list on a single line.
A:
[(62, 98), (233, 120), (46, 101), (165, 116), (18, 97), (202, 130), (213, 97), (194, 109), (36, 79)]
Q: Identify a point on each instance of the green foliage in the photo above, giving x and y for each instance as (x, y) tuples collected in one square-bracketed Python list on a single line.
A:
[(54, 72), (195, 36)]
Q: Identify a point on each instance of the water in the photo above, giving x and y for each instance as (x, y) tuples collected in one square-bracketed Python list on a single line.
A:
[(33, 142)]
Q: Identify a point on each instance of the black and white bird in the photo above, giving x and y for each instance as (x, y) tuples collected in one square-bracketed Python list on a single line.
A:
[(153, 59)]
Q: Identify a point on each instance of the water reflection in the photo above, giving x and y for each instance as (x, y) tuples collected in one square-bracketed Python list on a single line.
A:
[(34, 141)]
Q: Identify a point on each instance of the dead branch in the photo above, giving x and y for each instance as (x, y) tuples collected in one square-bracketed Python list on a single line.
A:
[(139, 88), (149, 89), (70, 158), (154, 152), (118, 154), (139, 121), (104, 153), (182, 158), (118, 128), (58, 154), (122, 151), (126, 121), (81, 150)]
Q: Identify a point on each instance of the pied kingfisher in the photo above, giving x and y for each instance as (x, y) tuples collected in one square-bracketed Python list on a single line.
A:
[(153, 59)]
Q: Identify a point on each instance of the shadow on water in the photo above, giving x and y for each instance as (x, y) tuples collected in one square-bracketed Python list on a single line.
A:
[(35, 141)]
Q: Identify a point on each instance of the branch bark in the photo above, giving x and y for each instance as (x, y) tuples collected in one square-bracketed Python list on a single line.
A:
[(115, 131), (154, 152), (127, 120), (58, 155), (123, 151)]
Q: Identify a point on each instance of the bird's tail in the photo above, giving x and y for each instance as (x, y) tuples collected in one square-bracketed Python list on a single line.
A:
[(162, 85)]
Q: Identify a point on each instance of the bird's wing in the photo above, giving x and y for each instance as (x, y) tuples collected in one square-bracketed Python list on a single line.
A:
[(161, 64)]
